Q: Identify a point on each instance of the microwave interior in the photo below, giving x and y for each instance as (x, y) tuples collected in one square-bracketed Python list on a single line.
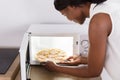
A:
[(38, 43)]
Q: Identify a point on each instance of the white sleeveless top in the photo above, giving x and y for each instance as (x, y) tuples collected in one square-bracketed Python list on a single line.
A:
[(112, 62)]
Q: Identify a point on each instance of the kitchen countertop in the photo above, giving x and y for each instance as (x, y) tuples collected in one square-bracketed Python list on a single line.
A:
[(39, 73), (12, 71)]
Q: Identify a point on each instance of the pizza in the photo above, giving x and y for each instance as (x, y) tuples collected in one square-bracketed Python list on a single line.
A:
[(52, 54)]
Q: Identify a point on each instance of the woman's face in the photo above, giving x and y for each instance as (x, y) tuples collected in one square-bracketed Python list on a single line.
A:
[(74, 14)]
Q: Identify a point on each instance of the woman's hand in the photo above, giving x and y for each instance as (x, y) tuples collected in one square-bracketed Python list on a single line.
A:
[(72, 60), (51, 66)]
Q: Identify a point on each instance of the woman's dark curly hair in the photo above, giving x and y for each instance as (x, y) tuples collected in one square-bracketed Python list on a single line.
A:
[(62, 4)]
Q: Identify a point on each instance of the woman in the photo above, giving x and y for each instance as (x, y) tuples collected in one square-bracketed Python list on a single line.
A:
[(104, 37)]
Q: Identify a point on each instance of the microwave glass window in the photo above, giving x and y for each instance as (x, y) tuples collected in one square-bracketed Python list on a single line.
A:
[(38, 43)]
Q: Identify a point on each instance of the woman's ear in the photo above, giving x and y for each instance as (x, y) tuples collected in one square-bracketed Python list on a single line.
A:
[(71, 7)]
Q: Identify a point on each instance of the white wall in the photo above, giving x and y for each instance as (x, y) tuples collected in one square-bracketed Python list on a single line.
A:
[(17, 15)]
